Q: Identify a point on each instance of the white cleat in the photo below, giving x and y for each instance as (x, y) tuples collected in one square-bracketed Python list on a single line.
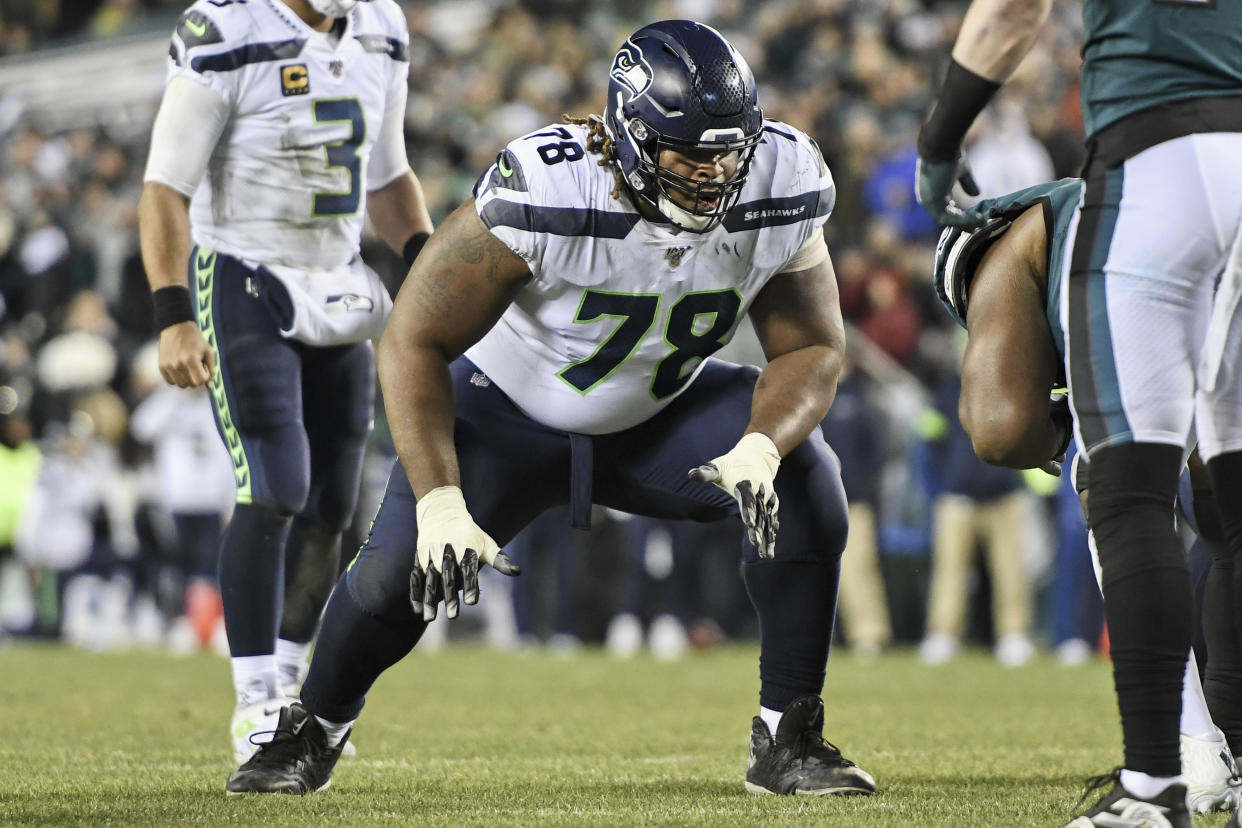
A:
[(1014, 650), (1211, 775), (625, 635), (667, 638), (254, 725), (938, 648)]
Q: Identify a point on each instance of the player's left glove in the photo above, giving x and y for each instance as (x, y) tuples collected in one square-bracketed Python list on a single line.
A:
[(1063, 422), (747, 472), (450, 548), (933, 186)]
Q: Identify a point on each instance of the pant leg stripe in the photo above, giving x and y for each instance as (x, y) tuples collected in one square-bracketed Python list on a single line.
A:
[(1093, 369), (203, 265)]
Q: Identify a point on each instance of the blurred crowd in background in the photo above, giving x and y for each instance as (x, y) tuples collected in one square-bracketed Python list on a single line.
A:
[(108, 478)]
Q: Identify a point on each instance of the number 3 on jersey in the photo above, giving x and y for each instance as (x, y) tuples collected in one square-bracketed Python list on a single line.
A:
[(695, 329), (343, 154)]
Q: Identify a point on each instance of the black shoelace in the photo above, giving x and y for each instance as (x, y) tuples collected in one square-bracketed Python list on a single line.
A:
[(284, 746), (1096, 783)]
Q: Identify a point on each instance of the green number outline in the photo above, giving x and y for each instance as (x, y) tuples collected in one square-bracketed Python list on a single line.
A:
[(357, 123), (578, 320), (682, 374)]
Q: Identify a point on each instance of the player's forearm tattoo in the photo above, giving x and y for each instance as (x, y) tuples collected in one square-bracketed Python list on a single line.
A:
[(475, 249)]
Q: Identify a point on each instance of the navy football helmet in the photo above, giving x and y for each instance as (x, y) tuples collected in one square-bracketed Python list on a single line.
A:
[(678, 85)]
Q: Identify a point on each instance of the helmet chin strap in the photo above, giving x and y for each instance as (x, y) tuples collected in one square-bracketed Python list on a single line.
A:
[(333, 8), (681, 217)]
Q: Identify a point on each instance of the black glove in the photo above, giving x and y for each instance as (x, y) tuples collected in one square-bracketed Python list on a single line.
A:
[(1063, 422)]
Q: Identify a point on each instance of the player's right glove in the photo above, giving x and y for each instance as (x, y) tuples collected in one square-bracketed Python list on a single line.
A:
[(450, 547), (933, 187), (747, 472), (1063, 422)]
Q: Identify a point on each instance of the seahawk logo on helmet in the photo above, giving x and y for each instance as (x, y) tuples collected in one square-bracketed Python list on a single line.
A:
[(678, 86), (630, 70)]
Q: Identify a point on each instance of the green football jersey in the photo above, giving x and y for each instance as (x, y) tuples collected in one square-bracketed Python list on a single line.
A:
[(1140, 53)]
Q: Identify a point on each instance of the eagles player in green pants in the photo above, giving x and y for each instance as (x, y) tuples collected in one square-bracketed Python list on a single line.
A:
[(1150, 321)]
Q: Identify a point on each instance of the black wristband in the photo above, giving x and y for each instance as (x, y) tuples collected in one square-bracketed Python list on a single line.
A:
[(963, 97), (414, 246), (172, 306)]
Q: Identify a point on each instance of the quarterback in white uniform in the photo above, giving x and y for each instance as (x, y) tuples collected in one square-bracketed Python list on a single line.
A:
[(553, 346), (279, 132)]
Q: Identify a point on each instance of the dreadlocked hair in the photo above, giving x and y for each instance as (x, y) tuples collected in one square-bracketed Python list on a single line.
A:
[(600, 144)]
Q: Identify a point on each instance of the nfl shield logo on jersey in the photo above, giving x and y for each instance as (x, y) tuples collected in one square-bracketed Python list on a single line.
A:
[(673, 255), (336, 67)]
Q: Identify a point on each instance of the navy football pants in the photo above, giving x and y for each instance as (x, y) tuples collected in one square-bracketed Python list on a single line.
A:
[(513, 468), (295, 420)]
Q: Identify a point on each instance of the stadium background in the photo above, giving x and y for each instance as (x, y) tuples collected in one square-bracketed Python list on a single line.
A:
[(79, 83)]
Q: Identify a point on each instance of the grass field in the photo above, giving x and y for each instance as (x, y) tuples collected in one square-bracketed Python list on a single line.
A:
[(470, 737)]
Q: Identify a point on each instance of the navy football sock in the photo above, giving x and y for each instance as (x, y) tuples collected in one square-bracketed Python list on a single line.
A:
[(251, 578), (796, 602)]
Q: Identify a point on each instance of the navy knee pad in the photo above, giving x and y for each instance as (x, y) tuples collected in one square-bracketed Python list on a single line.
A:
[(380, 584), (264, 403), (814, 512)]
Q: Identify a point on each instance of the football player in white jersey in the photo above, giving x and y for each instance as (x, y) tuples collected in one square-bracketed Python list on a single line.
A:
[(281, 122), (554, 346)]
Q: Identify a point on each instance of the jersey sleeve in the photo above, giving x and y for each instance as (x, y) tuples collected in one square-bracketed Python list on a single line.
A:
[(205, 42), (814, 171), (509, 198), (812, 180), (388, 158)]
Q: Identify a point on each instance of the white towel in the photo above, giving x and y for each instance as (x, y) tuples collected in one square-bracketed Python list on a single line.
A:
[(335, 307)]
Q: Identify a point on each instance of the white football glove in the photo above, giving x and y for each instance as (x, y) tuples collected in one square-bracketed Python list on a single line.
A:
[(450, 547), (747, 472)]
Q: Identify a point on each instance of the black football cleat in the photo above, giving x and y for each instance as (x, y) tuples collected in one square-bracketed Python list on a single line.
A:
[(296, 761), (1118, 808), (798, 760)]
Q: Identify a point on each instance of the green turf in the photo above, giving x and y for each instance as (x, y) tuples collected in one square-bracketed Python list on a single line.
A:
[(469, 737)]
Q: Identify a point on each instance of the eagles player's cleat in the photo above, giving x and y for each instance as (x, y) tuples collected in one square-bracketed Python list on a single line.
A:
[(798, 760), (1211, 774), (1121, 809), (297, 760)]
